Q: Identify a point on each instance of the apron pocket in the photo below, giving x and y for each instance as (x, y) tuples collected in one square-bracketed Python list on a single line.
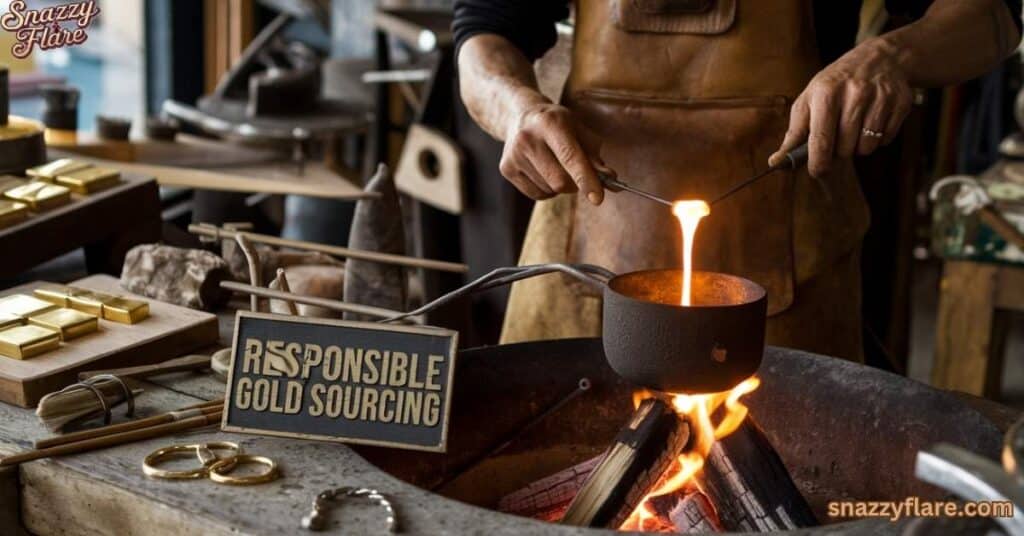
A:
[(690, 149), (698, 17)]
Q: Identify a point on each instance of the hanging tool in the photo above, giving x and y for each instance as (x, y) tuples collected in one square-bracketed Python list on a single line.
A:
[(794, 160), (972, 197)]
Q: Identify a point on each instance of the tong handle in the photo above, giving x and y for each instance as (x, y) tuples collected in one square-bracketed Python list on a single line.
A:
[(797, 158)]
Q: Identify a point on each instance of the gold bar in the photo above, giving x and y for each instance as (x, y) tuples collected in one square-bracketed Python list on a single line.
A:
[(7, 322), (40, 195), (24, 342), (85, 301), (12, 212), (23, 306), (68, 322), (62, 166), (89, 180), (125, 310), (53, 293)]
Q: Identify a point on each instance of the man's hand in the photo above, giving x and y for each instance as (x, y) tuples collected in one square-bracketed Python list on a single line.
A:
[(852, 106), (547, 152)]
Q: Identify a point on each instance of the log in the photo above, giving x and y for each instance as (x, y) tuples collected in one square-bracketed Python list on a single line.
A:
[(643, 450), (750, 488), (694, 514), (548, 498)]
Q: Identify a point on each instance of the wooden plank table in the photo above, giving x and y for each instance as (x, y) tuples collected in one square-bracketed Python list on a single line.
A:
[(970, 339)]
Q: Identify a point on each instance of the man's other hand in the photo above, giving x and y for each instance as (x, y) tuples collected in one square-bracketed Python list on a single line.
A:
[(852, 106)]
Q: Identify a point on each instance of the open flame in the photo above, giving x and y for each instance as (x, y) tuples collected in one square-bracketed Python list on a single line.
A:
[(689, 213), (698, 410)]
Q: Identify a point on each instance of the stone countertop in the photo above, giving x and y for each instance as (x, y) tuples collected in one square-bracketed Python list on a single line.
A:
[(105, 491)]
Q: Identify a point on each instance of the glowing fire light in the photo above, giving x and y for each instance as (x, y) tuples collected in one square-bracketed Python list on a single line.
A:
[(698, 411), (689, 213)]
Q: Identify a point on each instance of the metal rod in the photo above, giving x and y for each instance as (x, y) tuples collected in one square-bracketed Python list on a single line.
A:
[(333, 305), (205, 229), (615, 184), (744, 184), (582, 386), (794, 159)]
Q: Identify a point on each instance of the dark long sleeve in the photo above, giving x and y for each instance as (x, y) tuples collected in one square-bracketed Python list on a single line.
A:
[(528, 24)]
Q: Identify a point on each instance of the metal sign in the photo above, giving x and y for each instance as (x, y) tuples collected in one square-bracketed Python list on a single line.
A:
[(335, 380)]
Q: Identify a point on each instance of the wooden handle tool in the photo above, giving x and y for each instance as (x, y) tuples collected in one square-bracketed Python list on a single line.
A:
[(180, 364), (171, 416), (111, 440)]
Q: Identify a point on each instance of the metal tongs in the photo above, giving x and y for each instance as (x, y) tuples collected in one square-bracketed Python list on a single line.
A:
[(794, 160)]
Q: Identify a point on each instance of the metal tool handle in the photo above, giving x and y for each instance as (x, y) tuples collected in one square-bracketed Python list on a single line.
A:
[(797, 158), (616, 185), (590, 274)]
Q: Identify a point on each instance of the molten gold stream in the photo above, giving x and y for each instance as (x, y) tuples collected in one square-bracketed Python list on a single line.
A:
[(689, 213)]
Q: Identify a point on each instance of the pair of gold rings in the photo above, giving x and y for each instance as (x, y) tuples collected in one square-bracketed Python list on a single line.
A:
[(214, 467)]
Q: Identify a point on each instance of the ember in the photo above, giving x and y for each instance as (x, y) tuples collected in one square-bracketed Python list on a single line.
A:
[(698, 410), (689, 213)]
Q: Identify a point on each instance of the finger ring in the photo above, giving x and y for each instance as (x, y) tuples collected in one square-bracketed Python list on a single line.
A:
[(220, 468), (203, 451), (872, 133), (149, 464)]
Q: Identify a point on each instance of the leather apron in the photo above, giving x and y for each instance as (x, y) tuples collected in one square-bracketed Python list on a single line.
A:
[(690, 97)]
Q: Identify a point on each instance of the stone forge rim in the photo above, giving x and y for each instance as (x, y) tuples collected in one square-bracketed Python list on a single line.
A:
[(707, 347)]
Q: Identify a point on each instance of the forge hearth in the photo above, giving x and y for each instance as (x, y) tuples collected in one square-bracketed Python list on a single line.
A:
[(843, 431)]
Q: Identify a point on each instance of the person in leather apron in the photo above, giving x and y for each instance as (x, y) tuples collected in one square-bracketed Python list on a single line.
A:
[(686, 98)]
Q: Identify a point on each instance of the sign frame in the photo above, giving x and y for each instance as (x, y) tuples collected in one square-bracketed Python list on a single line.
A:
[(447, 396)]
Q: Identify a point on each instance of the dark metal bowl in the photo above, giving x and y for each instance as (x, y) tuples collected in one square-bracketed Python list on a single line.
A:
[(712, 345)]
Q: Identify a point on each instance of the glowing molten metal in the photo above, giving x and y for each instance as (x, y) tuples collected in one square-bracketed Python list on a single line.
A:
[(698, 410), (689, 213)]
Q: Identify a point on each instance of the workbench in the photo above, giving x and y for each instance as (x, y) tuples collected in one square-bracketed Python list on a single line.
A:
[(105, 492)]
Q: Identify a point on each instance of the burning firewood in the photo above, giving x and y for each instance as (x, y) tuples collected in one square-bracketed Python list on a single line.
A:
[(691, 463), (548, 498), (745, 480), (642, 451)]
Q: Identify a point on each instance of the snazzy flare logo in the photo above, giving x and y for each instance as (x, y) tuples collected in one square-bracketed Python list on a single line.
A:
[(50, 27)]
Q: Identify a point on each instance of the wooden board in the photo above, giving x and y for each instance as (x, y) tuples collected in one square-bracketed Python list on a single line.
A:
[(106, 223), (191, 162), (169, 331), (430, 169)]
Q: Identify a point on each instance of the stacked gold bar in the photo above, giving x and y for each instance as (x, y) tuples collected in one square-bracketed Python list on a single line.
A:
[(89, 180), (108, 306), (31, 325), (27, 341), (68, 322), (80, 177), (24, 341), (39, 196), (49, 172), (51, 186)]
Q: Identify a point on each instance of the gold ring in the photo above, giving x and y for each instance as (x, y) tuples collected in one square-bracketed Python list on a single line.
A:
[(207, 456), (203, 451), (150, 462), (242, 459)]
